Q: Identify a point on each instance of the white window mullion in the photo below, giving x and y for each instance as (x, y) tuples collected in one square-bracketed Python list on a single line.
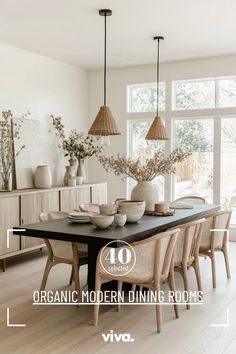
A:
[(217, 161), (169, 143)]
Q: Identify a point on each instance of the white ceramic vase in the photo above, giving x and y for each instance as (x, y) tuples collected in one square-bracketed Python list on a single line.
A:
[(147, 191), (68, 174), (81, 170), (43, 177), (74, 166)]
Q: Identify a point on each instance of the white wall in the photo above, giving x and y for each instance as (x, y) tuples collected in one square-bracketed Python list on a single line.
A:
[(44, 86), (118, 79)]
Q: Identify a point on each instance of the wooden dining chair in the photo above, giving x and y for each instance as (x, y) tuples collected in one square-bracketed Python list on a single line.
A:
[(154, 265), (191, 199), (215, 239), (187, 251), (63, 252)]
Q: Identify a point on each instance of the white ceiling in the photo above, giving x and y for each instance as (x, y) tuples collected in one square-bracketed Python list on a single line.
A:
[(72, 31)]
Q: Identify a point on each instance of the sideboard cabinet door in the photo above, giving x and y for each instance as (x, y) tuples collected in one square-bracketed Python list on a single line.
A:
[(99, 193), (72, 198), (31, 206), (9, 217)]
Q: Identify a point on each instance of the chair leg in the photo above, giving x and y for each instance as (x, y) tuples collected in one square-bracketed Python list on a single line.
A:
[(119, 289), (226, 257), (47, 269), (158, 315), (96, 306), (186, 286), (213, 268), (198, 274), (3, 262), (76, 270), (71, 275), (171, 282)]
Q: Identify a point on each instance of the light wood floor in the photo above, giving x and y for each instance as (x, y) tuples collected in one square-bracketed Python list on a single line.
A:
[(68, 329)]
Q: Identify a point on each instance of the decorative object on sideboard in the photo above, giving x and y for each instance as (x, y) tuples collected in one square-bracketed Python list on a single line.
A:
[(143, 171), (8, 132), (81, 172), (133, 209), (120, 219), (43, 177), (76, 146), (68, 174), (157, 130), (79, 180), (74, 165), (31, 156), (72, 181), (104, 123)]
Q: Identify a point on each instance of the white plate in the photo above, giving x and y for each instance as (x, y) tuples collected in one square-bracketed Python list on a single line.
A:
[(78, 221), (79, 214)]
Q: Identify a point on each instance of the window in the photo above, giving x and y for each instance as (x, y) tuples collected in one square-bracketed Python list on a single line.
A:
[(227, 92), (143, 97), (143, 149), (194, 176), (211, 169), (204, 94), (228, 166), (194, 94)]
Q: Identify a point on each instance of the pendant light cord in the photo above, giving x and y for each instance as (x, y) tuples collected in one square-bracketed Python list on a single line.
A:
[(158, 59), (105, 60)]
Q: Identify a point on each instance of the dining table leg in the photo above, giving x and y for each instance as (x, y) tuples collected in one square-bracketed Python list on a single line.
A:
[(93, 251)]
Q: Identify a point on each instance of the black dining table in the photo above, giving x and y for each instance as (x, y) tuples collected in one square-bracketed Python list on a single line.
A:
[(65, 230)]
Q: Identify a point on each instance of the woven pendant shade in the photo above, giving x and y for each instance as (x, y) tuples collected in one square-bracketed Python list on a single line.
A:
[(104, 124), (157, 130)]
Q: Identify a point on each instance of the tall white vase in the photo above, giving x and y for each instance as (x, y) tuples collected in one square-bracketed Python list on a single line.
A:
[(43, 177), (81, 172), (147, 191)]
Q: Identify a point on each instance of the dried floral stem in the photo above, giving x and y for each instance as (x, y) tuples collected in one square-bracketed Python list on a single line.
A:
[(8, 132), (158, 165)]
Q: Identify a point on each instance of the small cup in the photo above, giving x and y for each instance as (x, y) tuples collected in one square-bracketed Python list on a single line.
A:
[(72, 182), (161, 207), (120, 219), (79, 180)]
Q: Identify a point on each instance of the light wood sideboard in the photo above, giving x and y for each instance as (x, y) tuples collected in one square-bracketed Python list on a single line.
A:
[(24, 206)]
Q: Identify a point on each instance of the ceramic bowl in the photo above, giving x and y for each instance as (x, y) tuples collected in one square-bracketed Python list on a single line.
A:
[(92, 208), (120, 219), (108, 209), (102, 221), (134, 209)]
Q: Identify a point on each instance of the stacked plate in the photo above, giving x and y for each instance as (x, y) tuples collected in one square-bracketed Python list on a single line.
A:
[(80, 217)]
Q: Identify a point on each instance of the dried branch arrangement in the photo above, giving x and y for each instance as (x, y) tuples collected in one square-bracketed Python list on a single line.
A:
[(158, 165), (76, 145), (8, 132)]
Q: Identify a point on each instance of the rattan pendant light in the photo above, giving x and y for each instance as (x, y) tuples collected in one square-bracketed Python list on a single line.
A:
[(104, 123), (157, 130)]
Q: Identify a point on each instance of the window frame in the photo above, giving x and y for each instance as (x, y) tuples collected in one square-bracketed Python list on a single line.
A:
[(128, 96), (216, 93)]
